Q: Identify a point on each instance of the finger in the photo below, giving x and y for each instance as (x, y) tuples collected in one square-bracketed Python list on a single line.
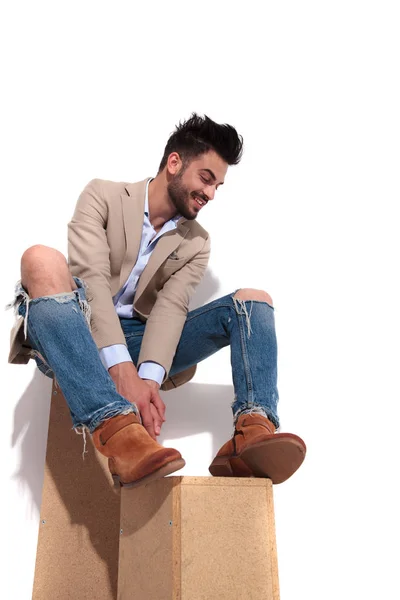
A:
[(157, 421), (158, 403), (147, 420)]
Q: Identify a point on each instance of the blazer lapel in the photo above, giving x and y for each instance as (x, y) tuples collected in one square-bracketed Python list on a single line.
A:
[(133, 213), (164, 247)]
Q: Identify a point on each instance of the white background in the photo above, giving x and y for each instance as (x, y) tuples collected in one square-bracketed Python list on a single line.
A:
[(93, 89)]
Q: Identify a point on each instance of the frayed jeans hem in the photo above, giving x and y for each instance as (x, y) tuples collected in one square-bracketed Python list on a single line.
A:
[(108, 412), (256, 410)]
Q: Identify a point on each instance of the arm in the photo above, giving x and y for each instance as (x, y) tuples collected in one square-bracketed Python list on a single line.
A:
[(168, 315)]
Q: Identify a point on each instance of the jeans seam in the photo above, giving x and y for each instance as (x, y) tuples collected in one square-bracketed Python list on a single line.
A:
[(128, 336), (247, 370)]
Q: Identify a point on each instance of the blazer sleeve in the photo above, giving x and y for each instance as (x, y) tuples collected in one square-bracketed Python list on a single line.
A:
[(89, 259), (168, 315)]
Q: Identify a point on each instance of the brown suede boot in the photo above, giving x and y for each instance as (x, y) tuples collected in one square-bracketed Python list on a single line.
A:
[(134, 457), (255, 450)]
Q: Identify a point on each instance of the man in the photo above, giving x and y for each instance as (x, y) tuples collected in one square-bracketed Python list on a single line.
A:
[(113, 325)]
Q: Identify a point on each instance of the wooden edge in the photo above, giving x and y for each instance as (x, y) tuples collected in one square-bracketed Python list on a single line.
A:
[(226, 481), (272, 542), (176, 539)]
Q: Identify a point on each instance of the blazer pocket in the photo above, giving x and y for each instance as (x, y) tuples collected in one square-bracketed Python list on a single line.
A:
[(174, 263)]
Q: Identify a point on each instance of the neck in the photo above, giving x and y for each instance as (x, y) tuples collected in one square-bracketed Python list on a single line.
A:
[(161, 208)]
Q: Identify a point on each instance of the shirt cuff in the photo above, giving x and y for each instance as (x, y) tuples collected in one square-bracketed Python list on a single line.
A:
[(152, 370), (113, 355)]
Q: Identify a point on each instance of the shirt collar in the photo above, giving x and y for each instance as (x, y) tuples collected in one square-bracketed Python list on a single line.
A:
[(146, 204)]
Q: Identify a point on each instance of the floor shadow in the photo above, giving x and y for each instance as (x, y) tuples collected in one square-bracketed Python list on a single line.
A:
[(31, 423)]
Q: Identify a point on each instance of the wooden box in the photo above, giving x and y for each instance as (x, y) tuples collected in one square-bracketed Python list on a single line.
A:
[(198, 538), (178, 538)]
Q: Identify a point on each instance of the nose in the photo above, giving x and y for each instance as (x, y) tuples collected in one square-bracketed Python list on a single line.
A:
[(210, 191)]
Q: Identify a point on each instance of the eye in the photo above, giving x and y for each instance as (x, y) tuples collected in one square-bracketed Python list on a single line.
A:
[(205, 180)]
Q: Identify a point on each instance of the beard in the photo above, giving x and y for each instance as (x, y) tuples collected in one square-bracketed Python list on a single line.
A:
[(181, 198)]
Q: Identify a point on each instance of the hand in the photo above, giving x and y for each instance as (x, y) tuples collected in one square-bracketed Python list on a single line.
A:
[(143, 393), (157, 414)]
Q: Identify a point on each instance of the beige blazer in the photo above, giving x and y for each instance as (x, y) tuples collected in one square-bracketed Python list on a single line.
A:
[(103, 243)]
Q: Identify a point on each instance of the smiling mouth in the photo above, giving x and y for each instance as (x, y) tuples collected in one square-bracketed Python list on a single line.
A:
[(199, 200)]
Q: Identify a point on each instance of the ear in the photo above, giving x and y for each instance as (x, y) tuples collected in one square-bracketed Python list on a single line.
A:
[(174, 163)]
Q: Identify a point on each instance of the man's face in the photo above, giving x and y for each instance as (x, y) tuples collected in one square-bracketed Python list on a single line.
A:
[(191, 188)]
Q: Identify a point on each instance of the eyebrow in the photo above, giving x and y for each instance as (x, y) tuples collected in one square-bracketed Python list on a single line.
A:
[(212, 175)]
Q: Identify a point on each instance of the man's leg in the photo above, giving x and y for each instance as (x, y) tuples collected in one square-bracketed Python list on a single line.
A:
[(245, 321), (57, 319), (255, 449), (248, 326), (54, 308)]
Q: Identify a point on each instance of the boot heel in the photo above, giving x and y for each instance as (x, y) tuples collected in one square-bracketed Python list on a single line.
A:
[(221, 467)]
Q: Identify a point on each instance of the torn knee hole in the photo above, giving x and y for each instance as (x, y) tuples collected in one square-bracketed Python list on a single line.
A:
[(252, 294)]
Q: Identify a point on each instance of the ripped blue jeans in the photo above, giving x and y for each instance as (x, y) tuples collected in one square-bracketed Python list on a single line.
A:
[(58, 331)]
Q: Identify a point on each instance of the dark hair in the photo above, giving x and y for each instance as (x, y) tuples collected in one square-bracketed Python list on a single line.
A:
[(198, 135)]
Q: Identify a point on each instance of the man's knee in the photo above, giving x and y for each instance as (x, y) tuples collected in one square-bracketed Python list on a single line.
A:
[(45, 265), (251, 294), (38, 257)]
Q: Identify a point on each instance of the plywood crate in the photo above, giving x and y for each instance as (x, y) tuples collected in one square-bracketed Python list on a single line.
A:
[(178, 538), (198, 538)]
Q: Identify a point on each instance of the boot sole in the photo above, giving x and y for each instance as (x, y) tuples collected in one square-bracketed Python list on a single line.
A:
[(167, 469), (276, 458)]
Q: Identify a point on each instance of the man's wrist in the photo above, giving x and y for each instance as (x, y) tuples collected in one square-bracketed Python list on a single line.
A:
[(152, 383), (124, 367)]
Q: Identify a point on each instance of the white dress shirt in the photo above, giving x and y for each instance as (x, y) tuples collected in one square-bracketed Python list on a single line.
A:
[(123, 300)]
